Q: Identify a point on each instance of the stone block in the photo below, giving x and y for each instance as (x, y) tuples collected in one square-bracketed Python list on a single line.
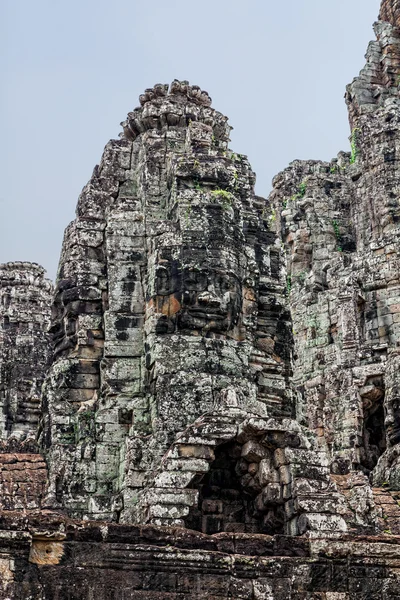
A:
[(252, 451), (196, 465), (168, 511), (322, 523), (170, 479)]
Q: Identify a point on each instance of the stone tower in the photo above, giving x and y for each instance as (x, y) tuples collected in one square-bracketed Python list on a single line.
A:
[(340, 224), (25, 300), (169, 307), (390, 12), (214, 350)]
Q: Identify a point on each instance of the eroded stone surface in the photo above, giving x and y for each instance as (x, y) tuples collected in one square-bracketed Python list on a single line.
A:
[(169, 305), (224, 365), (339, 223), (25, 351), (104, 561)]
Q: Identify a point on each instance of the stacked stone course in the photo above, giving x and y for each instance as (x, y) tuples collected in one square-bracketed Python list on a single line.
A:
[(25, 351), (340, 225), (169, 305)]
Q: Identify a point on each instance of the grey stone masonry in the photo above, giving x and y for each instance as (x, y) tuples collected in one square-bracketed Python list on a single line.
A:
[(169, 301), (339, 223), (220, 362), (25, 351)]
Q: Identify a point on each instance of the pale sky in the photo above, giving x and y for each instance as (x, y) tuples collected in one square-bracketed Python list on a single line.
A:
[(72, 70)]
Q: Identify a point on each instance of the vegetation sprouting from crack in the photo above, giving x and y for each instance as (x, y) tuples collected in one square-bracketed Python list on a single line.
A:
[(353, 145)]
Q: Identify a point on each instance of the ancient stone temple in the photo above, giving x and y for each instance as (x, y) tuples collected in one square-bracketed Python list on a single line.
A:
[(207, 405)]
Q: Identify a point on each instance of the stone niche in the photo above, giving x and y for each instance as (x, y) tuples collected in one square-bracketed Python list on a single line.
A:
[(229, 493)]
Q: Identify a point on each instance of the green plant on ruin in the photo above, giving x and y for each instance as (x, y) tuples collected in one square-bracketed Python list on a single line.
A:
[(333, 169), (219, 193), (353, 145), (302, 276), (336, 229), (196, 164), (224, 196), (301, 191), (264, 213), (188, 212), (196, 185), (288, 284), (284, 203)]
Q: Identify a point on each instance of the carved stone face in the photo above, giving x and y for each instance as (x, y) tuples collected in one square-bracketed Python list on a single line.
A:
[(211, 300), (392, 418), (197, 299)]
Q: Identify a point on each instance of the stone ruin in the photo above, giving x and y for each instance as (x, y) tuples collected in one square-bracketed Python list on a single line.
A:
[(207, 405)]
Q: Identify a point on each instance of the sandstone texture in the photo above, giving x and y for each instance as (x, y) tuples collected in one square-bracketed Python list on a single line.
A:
[(207, 405), (25, 349)]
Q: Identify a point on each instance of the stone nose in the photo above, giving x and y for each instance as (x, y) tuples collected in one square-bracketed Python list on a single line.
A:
[(389, 417)]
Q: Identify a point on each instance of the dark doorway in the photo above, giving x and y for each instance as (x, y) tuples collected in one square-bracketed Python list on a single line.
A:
[(227, 498), (374, 438)]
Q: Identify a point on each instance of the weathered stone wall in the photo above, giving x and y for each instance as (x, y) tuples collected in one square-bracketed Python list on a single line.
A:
[(191, 316), (23, 478), (48, 559), (169, 305), (25, 353), (340, 225), (25, 300)]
